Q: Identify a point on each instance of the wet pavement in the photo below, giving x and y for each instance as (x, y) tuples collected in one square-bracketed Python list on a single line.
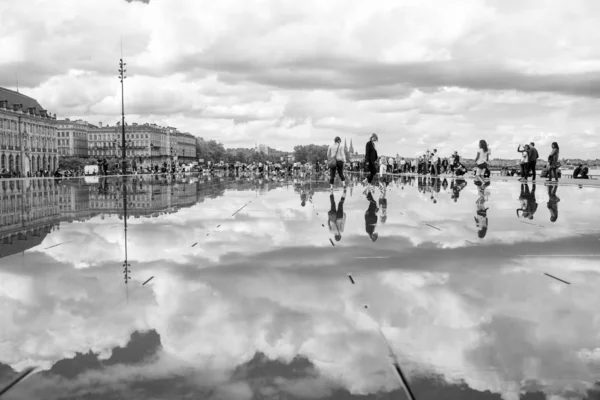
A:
[(241, 289)]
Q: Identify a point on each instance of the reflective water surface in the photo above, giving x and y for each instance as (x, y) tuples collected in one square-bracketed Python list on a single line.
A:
[(238, 288)]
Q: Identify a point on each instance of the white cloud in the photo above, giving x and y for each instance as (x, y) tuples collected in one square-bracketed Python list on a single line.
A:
[(286, 73)]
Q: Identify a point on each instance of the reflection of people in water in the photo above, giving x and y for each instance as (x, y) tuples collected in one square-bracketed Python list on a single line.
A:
[(553, 202), (529, 203), (371, 217), (303, 195), (456, 187), (337, 218), (481, 219), (383, 206)]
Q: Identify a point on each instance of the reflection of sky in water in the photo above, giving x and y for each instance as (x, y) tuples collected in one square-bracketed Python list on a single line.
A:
[(268, 280)]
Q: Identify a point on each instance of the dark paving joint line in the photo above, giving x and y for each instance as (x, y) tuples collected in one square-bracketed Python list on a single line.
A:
[(351, 279), (558, 279), (431, 226), (149, 279), (241, 208), (218, 226), (529, 223), (331, 242), (18, 379), (114, 226), (194, 244), (405, 383), (57, 245), (473, 243)]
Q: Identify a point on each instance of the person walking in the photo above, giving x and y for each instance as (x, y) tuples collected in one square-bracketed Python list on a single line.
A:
[(533, 156), (336, 159), (482, 158), (371, 158), (553, 162)]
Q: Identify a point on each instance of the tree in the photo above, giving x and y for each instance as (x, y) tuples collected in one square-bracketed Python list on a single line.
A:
[(310, 153)]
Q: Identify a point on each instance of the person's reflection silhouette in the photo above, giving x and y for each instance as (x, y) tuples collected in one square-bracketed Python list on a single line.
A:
[(481, 218), (383, 206), (529, 203), (456, 188), (337, 217), (553, 202), (371, 217)]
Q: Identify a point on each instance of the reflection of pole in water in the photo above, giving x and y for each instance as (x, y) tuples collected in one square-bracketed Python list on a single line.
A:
[(126, 264)]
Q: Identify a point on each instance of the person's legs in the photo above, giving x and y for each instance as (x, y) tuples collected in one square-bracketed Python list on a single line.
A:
[(340, 209), (532, 169), (332, 201), (332, 174), (340, 170), (372, 172), (523, 171)]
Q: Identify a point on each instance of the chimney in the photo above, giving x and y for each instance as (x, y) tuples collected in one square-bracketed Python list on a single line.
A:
[(17, 107), (100, 124), (3, 103)]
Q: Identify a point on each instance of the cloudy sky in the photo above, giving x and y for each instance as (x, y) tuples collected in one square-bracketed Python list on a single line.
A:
[(423, 73), (280, 288)]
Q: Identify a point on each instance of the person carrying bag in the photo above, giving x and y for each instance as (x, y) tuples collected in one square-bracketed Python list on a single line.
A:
[(335, 161)]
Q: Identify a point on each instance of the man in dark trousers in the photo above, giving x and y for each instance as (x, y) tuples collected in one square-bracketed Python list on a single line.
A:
[(533, 157), (371, 158)]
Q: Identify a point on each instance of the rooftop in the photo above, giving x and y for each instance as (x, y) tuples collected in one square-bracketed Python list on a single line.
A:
[(19, 98), (248, 293)]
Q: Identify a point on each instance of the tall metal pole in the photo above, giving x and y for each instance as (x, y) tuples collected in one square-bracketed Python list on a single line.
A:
[(122, 77)]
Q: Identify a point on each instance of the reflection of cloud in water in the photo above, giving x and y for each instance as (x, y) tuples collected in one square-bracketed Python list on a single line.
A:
[(263, 283)]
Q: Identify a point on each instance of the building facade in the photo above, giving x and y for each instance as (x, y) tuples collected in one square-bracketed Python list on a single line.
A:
[(28, 141), (147, 144), (73, 137)]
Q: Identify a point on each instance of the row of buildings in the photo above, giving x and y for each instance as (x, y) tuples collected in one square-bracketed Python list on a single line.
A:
[(32, 139)]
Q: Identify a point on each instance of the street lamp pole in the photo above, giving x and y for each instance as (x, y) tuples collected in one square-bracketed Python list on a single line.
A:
[(122, 77)]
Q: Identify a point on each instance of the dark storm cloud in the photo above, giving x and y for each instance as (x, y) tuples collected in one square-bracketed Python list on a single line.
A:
[(29, 74), (379, 80), (270, 378)]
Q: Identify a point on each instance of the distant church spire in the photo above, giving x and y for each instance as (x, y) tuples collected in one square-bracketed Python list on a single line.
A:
[(345, 146), (351, 148)]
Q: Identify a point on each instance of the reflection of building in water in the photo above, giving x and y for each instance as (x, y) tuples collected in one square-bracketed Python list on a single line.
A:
[(28, 212), (31, 209), (144, 198), (74, 203)]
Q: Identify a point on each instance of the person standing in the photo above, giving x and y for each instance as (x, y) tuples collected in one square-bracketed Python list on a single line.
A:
[(382, 166), (435, 163), (336, 159), (482, 158), (524, 150), (371, 158), (553, 162), (533, 157)]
